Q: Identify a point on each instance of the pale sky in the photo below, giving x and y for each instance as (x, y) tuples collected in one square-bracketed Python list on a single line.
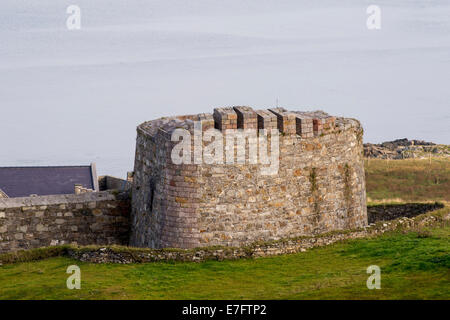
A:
[(76, 96)]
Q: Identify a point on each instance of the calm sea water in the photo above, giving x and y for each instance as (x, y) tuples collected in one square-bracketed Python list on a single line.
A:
[(75, 97)]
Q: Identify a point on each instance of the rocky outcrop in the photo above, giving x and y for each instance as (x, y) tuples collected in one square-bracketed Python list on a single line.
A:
[(405, 149)]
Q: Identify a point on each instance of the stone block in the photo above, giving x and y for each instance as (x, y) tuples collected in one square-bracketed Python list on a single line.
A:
[(304, 126), (41, 227), (318, 126), (285, 120), (267, 120), (246, 118), (97, 212), (39, 214), (207, 121), (225, 118)]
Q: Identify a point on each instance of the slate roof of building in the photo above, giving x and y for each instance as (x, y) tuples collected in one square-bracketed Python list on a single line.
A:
[(2, 194), (26, 181)]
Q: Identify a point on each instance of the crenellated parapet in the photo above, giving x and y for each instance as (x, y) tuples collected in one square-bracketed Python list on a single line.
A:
[(303, 124)]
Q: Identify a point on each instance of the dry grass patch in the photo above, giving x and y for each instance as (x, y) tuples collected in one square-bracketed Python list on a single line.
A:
[(394, 181)]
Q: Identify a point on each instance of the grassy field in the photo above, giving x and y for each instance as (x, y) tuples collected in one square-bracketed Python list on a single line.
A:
[(413, 265), (408, 180)]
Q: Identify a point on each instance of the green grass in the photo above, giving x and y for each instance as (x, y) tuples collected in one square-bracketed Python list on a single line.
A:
[(408, 180), (413, 266)]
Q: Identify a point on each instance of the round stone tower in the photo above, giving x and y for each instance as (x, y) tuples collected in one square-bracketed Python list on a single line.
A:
[(301, 174)]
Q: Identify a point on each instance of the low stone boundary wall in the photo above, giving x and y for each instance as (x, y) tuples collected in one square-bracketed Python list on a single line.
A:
[(89, 218), (126, 255)]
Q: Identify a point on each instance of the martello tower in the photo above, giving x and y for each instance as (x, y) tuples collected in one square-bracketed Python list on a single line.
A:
[(318, 185)]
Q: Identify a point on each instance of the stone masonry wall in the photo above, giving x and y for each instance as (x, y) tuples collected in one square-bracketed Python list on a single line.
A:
[(319, 186), (84, 219)]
